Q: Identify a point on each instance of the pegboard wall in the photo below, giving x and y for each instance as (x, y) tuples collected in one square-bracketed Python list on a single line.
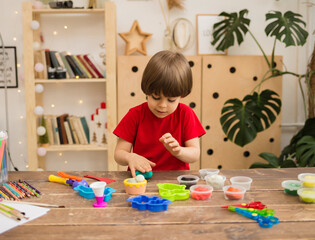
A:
[(226, 77), (215, 79)]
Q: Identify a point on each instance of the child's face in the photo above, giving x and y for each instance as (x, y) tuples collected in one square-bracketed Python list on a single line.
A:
[(162, 106)]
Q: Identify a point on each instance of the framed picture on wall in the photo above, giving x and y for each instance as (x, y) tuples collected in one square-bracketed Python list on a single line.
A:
[(204, 23), (8, 68)]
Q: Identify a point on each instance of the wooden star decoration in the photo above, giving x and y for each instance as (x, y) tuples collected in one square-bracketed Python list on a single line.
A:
[(135, 39)]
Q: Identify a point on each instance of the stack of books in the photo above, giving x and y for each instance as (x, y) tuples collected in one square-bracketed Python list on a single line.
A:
[(60, 65)]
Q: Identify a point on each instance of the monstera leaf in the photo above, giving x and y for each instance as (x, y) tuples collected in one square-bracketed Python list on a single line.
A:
[(225, 31), (273, 162), (242, 120), (286, 28), (305, 151)]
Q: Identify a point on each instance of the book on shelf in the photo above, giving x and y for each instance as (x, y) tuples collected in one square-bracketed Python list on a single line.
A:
[(82, 68), (49, 129), (66, 64), (53, 59), (87, 66), (73, 130), (74, 67), (85, 128), (68, 133), (90, 60), (61, 128), (55, 130)]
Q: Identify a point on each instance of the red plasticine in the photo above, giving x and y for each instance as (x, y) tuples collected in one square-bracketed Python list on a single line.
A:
[(107, 180), (201, 193)]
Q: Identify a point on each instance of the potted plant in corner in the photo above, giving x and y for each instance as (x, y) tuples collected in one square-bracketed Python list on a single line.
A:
[(243, 119)]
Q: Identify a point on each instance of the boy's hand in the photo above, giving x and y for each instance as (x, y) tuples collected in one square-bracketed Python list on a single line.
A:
[(170, 144), (137, 162)]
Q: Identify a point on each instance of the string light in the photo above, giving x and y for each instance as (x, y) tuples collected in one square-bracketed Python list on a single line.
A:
[(18, 65), (14, 39), (55, 32), (52, 105), (65, 27), (16, 12), (21, 117), (20, 142), (66, 161), (80, 101), (60, 154), (19, 90)]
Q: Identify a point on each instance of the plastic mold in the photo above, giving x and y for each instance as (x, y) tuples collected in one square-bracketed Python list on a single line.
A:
[(88, 193), (135, 188), (154, 204), (173, 192)]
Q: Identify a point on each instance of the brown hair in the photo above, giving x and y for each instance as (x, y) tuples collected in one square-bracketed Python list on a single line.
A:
[(168, 73)]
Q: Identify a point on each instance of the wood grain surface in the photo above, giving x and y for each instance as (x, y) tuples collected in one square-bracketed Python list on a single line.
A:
[(188, 219)]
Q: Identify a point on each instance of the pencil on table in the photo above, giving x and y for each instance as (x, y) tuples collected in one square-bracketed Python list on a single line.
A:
[(8, 214), (13, 211)]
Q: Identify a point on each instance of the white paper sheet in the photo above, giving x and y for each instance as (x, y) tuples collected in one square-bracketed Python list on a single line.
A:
[(32, 212)]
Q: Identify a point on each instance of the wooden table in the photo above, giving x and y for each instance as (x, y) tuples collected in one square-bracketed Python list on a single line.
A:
[(189, 219)]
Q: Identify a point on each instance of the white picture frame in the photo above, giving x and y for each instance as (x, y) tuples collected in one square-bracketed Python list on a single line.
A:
[(204, 23), (10, 64)]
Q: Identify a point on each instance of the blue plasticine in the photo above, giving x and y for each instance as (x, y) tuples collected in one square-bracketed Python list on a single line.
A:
[(88, 193), (154, 204), (146, 175)]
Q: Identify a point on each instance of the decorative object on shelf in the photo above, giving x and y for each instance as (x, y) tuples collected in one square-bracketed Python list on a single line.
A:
[(39, 88), (98, 126), (167, 40), (182, 32), (205, 24), (34, 25), (103, 54), (135, 39), (41, 151), (39, 110), (92, 4)]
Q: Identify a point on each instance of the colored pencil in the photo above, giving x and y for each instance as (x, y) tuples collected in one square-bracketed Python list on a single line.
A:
[(36, 204), (8, 214), (13, 211)]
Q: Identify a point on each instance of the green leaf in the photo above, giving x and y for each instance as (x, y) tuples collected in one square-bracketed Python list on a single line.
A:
[(235, 25), (270, 158), (287, 28), (260, 165), (288, 164), (242, 120), (305, 151)]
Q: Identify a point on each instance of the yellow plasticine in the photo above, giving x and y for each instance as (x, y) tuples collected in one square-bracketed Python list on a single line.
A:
[(309, 184), (309, 177)]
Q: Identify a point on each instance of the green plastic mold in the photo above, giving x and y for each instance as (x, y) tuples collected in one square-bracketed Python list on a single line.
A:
[(173, 192)]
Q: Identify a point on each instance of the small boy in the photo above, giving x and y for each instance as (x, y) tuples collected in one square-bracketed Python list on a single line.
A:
[(162, 133)]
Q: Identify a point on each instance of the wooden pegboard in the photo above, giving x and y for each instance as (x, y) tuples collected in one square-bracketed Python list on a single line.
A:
[(225, 77)]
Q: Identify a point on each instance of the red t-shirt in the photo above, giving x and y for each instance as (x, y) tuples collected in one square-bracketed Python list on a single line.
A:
[(143, 129)]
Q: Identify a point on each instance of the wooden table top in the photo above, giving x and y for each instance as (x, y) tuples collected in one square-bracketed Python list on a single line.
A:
[(188, 219)]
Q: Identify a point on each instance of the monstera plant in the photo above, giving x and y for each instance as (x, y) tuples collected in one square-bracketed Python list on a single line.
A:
[(242, 119)]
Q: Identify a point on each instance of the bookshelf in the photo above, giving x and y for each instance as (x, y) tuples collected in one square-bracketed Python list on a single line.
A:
[(33, 99)]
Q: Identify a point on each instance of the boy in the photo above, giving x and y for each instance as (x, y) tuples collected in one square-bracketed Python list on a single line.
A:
[(162, 133)]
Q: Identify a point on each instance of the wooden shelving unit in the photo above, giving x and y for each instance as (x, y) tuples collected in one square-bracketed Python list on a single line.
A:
[(33, 99)]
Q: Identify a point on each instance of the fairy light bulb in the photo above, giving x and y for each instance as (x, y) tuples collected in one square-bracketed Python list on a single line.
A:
[(39, 110), (35, 25), (41, 151), (60, 154), (80, 101), (36, 45), (52, 105), (41, 131), (39, 67), (21, 117), (39, 88)]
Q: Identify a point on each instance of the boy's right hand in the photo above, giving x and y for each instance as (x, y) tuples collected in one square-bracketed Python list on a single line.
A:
[(137, 162)]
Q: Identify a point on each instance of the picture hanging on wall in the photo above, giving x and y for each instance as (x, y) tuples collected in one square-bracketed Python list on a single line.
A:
[(8, 67), (204, 23)]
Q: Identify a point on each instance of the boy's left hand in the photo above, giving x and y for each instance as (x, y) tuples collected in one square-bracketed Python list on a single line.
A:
[(170, 144)]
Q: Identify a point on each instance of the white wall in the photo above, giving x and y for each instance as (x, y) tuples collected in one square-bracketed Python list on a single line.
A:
[(151, 20)]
